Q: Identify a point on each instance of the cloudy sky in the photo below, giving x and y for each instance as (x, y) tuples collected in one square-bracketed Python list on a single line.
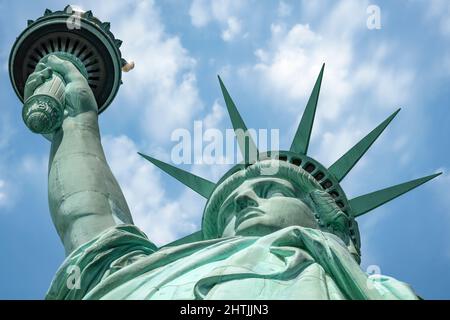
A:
[(268, 54)]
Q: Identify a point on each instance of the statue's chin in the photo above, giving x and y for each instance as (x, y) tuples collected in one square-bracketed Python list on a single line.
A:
[(261, 226), (256, 226)]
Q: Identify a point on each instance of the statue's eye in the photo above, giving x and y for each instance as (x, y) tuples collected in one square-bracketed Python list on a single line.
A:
[(271, 190), (276, 193), (279, 191)]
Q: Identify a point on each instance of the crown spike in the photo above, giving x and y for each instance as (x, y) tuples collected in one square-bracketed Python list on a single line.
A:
[(201, 186), (106, 26), (247, 146), (88, 14), (68, 9), (301, 139), (363, 204), (345, 163)]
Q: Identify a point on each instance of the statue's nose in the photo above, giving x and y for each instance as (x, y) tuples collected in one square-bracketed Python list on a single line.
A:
[(245, 200)]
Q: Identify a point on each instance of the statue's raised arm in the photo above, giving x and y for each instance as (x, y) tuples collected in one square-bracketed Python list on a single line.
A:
[(84, 197)]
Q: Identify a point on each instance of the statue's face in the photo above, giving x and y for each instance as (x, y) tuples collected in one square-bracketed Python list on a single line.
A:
[(263, 205)]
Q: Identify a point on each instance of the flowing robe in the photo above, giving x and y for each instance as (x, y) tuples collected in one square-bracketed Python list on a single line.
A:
[(291, 263)]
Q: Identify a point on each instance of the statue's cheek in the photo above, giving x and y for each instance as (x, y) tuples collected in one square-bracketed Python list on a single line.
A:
[(228, 226), (291, 211)]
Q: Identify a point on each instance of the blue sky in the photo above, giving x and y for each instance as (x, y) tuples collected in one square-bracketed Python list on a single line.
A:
[(268, 54)]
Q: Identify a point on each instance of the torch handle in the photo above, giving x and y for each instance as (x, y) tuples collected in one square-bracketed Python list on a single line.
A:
[(43, 111), (54, 86)]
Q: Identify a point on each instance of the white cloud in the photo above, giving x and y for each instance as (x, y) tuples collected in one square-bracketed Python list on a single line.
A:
[(161, 91), (440, 186), (216, 167), (31, 164), (314, 9), (224, 12), (33, 168), (164, 76), (292, 62), (345, 19), (288, 65), (222, 9), (233, 29), (225, 71), (22, 177), (200, 13), (162, 218), (390, 85), (334, 144), (215, 117), (3, 193), (446, 63), (284, 9), (7, 186), (6, 131), (438, 11)]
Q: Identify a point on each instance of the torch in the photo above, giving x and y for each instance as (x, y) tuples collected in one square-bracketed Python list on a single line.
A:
[(78, 37)]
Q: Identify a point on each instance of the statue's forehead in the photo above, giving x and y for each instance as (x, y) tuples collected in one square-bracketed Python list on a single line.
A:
[(263, 180), (256, 182)]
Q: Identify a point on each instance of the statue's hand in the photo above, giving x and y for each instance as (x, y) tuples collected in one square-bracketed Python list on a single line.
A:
[(79, 97)]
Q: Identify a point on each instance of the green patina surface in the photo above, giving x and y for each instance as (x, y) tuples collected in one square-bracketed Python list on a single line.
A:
[(277, 226)]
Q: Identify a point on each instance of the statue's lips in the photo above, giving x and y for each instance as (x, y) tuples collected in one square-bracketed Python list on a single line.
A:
[(248, 213)]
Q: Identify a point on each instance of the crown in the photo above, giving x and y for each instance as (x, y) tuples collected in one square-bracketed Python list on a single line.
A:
[(329, 178)]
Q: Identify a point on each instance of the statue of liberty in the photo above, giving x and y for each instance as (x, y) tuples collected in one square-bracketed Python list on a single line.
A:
[(276, 226)]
